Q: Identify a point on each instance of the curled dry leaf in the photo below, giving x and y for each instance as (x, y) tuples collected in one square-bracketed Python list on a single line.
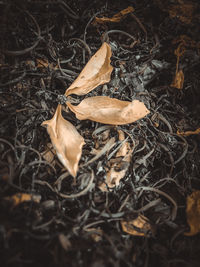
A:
[(117, 17), (193, 213), (138, 227), (187, 133), (119, 165), (23, 197), (96, 72), (66, 141), (109, 110), (96, 233)]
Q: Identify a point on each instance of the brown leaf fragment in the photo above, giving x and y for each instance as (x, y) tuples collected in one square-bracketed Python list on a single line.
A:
[(125, 148), (118, 166), (187, 133), (65, 242), (113, 177), (117, 17), (66, 141), (23, 197), (141, 223), (178, 80), (193, 213), (96, 72), (45, 64), (96, 233), (108, 110)]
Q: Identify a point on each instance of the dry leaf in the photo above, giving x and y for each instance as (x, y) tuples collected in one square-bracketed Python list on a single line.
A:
[(64, 241), (187, 133), (125, 148), (96, 72), (193, 213), (66, 141), (119, 165), (96, 233), (178, 80), (45, 64), (117, 17), (141, 223), (99, 141), (109, 110), (113, 177), (22, 197)]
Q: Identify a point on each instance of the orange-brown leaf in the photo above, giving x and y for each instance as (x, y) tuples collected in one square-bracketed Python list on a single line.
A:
[(117, 17), (178, 80), (187, 133), (96, 72), (18, 198), (109, 110), (141, 223), (66, 141), (193, 213)]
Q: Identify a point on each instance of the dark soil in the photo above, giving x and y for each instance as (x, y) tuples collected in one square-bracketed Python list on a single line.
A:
[(85, 230)]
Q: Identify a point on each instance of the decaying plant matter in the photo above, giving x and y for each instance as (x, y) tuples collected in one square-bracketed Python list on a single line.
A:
[(65, 139)]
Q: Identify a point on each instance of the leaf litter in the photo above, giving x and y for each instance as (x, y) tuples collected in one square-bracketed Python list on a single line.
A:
[(164, 165)]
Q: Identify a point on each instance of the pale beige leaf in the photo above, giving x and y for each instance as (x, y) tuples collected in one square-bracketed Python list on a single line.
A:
[(119, 165), (66, 141), (109, 110), (96, 72), (113, 177), (125, 148)]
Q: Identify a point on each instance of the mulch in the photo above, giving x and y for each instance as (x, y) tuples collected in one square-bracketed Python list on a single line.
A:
[(44, 46)]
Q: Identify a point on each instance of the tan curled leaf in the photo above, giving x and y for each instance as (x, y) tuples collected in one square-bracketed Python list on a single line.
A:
[(66, 141), (117, 17), (96, 72), (193, 213), (109, 110), (137, 227)]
